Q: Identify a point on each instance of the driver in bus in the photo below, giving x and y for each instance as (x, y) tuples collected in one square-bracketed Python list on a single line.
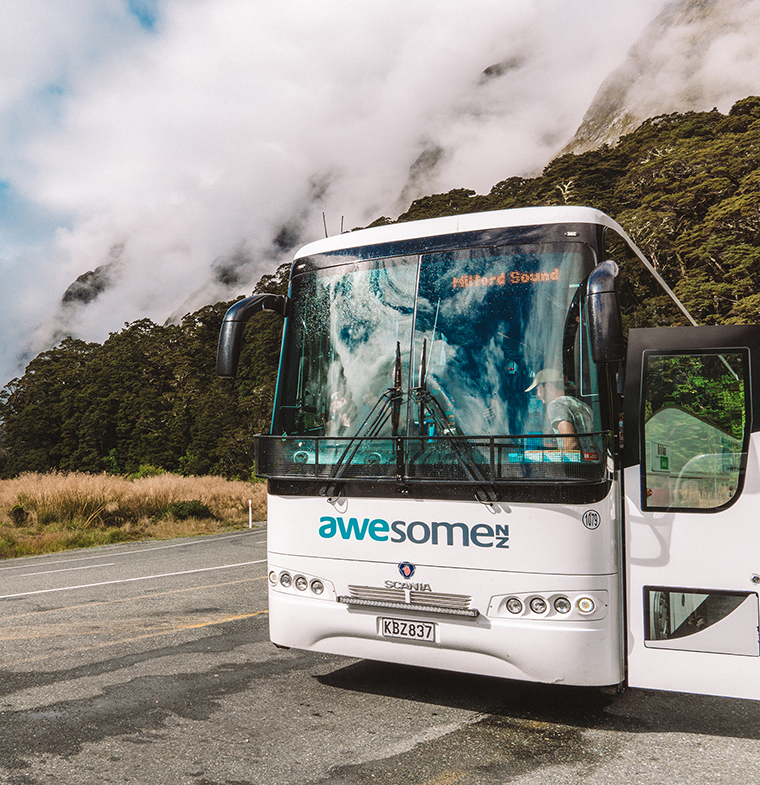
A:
[(566, 414)]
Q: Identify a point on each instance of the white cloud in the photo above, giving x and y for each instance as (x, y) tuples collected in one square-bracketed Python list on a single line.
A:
[(692, 57), (193, 126)]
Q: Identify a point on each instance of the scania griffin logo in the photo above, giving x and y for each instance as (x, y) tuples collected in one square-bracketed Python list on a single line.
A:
[(406, 568)]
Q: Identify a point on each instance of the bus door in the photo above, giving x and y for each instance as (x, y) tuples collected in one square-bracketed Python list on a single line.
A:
[(692, 509)]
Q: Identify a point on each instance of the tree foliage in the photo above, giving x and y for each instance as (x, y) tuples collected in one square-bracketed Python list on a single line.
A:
[(148, 396), (686, 187)]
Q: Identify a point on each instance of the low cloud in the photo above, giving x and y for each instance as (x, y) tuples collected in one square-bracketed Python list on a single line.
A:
[(204, 139), (693, 56)]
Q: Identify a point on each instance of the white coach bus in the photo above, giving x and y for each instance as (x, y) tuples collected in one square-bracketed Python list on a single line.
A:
[(473, 465)]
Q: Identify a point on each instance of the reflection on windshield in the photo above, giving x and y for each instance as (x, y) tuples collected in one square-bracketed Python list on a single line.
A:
[(342, 345), (492, 320), (487, 321)]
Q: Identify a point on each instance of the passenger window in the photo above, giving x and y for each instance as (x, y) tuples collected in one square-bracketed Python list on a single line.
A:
[(695, 430)]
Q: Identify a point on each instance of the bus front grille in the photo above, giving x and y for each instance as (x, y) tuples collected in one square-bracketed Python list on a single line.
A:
[(409, 600)]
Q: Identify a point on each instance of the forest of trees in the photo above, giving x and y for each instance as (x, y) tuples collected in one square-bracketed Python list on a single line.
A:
[(686, 187), (148, 396)]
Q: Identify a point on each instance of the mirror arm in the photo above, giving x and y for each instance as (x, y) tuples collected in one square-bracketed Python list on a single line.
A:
[(233, 326)]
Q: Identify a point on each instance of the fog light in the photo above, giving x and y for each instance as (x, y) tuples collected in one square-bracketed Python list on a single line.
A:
[(317, 587), (562, 605), (301, 583), (514, 605), (273, 577), (586, 605), (538, 605), (285, 579)]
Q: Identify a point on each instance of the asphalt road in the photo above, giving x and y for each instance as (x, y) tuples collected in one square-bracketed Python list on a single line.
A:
[(149, 663)]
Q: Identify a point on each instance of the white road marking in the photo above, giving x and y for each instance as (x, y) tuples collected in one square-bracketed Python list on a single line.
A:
[(131, 553), (66, 569), (131, 580)]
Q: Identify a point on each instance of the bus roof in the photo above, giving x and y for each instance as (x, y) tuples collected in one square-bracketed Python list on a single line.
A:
[(468, 222)]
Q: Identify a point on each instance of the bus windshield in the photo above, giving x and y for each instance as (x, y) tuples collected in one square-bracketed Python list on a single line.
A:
[(446, 344)]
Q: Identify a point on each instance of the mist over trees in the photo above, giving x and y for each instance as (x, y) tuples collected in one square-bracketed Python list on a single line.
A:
[(148, 396), (686, 187)]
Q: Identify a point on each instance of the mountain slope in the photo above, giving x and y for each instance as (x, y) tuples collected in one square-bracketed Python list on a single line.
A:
[(695, 55)]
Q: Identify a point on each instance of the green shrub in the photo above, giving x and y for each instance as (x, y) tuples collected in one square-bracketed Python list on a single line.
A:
[(193, 508), (146, 470), (7, 542)]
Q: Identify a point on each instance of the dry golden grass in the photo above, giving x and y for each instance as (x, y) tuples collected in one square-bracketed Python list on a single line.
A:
[(40, 513)]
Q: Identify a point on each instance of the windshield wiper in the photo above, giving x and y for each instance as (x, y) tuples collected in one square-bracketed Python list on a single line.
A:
[(388, 405), (426, 400)]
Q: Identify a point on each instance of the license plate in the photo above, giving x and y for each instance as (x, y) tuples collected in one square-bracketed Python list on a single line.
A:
[(408, 630)]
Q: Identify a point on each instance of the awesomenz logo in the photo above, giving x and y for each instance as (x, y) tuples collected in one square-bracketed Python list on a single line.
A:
[(481, 535)]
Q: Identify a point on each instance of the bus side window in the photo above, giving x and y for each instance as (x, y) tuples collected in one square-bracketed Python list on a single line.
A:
[(695, 436)]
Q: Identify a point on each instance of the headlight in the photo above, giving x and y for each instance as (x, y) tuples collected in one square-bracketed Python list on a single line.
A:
[(514, 605), (317, 587), (562, 605), (586, 605), (285, 579), (301, 583), (538, 605)]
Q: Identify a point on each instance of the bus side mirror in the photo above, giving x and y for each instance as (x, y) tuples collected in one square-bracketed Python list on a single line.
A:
[(605, 322), (233, 326)]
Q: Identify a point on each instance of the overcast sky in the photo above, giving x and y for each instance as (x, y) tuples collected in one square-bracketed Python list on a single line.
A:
[(167, 136)]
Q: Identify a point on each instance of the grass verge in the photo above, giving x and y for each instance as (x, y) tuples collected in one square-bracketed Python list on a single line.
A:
[(44, 513)]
